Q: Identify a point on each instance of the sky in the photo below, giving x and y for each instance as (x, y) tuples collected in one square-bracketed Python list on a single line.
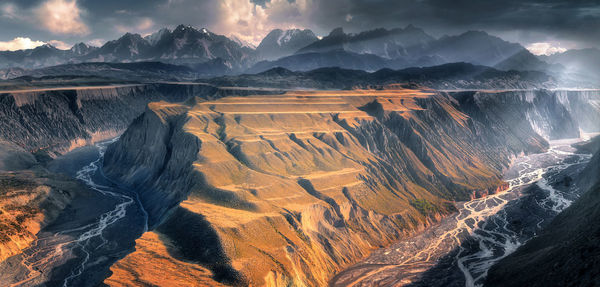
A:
[(543, 26)]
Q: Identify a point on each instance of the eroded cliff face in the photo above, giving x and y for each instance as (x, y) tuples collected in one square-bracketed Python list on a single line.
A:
[(550, 114), (566, 252), (58, 120), (288, 189)]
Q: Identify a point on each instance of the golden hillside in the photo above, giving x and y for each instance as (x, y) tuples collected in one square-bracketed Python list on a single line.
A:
[(288, 189)]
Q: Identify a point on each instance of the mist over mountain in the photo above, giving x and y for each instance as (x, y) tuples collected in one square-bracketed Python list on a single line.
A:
[(578, 64), (209, 54), (279, 43), (391, 44)]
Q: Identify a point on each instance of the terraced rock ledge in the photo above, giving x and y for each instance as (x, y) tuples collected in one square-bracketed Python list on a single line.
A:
[(289, 189)]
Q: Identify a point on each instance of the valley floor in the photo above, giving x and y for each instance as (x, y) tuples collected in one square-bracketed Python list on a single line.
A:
[(89, 236), (460, 249), (276, 189)]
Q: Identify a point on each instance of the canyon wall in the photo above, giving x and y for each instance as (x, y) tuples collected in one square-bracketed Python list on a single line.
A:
[(39, 124), (565, 253), (57, 120), (289, 189)]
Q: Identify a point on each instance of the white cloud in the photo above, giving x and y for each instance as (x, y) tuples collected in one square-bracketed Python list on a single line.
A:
[(251, 22), (60, 44), (19, 43), (61, 17), (544, 48)]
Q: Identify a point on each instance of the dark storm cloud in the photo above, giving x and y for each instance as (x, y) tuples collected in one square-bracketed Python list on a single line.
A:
[(575, 22), (572, 20)]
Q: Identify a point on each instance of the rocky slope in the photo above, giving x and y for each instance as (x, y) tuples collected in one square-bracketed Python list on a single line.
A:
[(552, 114), (30, 198), (288, 189), (445, 77), (578, 64), (381, 42), (279, 43), (42, 56), (412, 47), (335, 58), (57, 120), (565, 253)]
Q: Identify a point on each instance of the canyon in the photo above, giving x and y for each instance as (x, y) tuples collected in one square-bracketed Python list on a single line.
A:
[(299, 143), (294, 187), (254, 186), (564, 250)]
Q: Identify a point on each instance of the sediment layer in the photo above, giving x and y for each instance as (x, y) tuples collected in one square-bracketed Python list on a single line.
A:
[(289, 189)]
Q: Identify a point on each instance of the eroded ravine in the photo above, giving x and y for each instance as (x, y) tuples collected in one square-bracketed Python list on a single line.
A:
[(460, 250), (96, 230), (80, 254)]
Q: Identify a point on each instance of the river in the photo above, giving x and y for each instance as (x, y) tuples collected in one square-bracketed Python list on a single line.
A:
[(92, 234), (460, 249), (99, 230)]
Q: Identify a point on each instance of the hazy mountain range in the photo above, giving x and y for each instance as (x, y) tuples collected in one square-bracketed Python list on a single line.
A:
[(210, 54)]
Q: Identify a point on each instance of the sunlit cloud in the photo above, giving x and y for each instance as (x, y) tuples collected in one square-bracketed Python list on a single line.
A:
[(59, 44), (251, 22), (543, 48), (20, 43), (61, 17)]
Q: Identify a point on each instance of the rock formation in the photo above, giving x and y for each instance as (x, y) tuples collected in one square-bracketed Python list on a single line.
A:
[(289, 189), (57, 120), (565, 253)]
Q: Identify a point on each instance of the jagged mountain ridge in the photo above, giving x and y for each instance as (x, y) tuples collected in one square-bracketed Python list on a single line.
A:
[(279, 43), (216, 54), (42, 56), (413, 47), (384, 43), (476, 47), (183, 45)]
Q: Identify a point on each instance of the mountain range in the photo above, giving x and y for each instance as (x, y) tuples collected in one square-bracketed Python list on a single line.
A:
[(211, 54)]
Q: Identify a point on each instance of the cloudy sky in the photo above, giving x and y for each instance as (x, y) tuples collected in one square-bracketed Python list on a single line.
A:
[(543, 26)]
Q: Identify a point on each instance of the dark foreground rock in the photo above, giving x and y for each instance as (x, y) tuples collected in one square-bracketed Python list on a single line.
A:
[(564, 254)]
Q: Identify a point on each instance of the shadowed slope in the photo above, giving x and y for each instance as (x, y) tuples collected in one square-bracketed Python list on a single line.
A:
[(297, 186)]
